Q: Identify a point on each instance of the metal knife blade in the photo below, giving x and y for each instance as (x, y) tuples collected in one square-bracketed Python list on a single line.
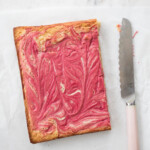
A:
[(126, 62)]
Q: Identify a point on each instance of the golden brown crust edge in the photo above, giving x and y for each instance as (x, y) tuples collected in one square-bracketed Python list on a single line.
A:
[(36, 137), (58, 24), (39, 139), (25, 103)]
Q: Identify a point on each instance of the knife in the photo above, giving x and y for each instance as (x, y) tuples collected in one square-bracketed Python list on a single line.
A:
[(126, 68)]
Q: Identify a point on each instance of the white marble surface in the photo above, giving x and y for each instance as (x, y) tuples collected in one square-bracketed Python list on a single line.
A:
[(13, 128), (6, 5)]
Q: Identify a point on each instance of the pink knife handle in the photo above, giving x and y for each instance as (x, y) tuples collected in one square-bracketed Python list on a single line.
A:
[(132, 128)]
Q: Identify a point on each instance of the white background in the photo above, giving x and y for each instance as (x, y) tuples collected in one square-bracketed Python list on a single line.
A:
[(13, 130), (30, 4)]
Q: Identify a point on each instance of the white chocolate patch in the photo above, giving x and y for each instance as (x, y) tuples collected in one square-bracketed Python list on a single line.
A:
[(77, 91), (62, 87)]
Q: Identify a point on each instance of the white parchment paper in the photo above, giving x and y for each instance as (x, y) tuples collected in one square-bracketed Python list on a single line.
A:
[(13, 129)]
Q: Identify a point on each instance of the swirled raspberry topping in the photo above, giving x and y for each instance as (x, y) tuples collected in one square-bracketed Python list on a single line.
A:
[(63, 80)]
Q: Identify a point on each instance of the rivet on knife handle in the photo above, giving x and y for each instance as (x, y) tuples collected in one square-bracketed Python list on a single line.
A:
[(130, 103)]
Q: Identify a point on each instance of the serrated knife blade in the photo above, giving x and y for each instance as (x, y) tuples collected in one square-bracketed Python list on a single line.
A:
[(126, 68), (126, 62)]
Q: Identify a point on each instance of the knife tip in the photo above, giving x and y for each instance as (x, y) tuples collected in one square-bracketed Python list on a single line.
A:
[(125, 21)]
